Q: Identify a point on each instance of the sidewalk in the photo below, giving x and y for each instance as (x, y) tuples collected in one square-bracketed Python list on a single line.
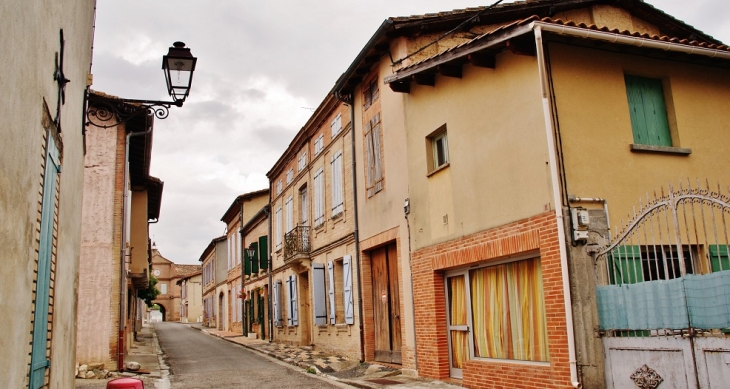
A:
[(360, 375)]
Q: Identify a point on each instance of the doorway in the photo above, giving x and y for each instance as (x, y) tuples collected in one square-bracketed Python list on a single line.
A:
[(221, 312), (457, 317), (386, 304)]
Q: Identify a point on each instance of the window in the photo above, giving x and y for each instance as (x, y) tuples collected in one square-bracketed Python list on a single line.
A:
[(319, 197), (336, 125), (339, 289), (276, 298), (374, 163), (438, 149), (289, 213), (318, 294), (648, 111), (303, 206), (289, 176), (291, 287), (163, 288), (278, 187), (337, 200), (302, 162), (506, 307), (319, 144), (632, 264), (371, 92), (278, 228)]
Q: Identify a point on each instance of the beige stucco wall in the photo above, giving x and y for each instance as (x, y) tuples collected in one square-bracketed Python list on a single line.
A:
[(98, 308), (29, 41), (193, 298), (596, 127), (498, 170)]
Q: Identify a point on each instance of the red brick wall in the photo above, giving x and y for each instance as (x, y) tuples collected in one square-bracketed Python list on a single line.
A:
[(538, 234)]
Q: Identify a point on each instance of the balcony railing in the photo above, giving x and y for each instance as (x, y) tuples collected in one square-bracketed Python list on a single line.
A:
[(296, 243)]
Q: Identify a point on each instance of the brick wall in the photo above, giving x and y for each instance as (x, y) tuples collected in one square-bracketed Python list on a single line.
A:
[(537, 234)]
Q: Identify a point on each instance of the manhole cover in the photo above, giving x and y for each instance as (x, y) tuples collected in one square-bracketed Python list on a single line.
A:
[(383, 381)]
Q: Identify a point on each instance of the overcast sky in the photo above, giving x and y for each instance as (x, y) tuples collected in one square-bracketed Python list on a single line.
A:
[(263, 66)]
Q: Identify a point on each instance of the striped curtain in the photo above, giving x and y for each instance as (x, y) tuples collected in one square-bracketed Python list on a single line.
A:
[(508, 309), (457, 315)]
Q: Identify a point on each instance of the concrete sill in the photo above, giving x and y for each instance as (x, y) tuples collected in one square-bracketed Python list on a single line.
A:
[(638, 148), (440, 168)]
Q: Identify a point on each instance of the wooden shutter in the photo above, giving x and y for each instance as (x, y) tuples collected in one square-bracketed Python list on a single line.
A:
[(293, 303), (255, 259), (648, 111), (626, 265), (337, 183), (276, 299), (347, 286), (246, 263), (288, 299), (318, 295), (719, 258), (331, 291), (38, 361), (263, 252)]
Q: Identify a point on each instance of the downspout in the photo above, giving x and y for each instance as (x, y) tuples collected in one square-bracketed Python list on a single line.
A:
[(243, 244), (123, 250), (356, 232), (271, 267), (557, 200), (407, 211)]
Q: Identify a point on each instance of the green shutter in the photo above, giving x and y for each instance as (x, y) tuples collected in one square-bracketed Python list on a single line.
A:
[(38, 360), (255, 259), (261, 317), (246, 263), (719, 258), (264, 252), (648, 111), (625, 265)]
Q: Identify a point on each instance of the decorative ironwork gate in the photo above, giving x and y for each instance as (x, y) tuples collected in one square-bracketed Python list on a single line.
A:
[(663, 291)]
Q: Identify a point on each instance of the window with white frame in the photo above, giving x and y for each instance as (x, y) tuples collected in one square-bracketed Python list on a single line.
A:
[(276, 301), (339, 289), (163, 288), (278, 228), (319, 197), (319, 294), (337, 198), (230, 253), (289, 176), (502, 308), (291, 288), (279, 186), (303, 206), (439, 149), (319, 144), (373, 153), (302, 162), (289, 204), (336, 125)]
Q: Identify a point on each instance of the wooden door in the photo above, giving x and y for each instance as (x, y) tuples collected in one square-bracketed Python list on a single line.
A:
[(386, 304)]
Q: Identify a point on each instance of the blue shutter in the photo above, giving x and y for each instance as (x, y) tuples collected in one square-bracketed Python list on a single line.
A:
[(333, 308), (347, 286), (38, 361), (318, 295)]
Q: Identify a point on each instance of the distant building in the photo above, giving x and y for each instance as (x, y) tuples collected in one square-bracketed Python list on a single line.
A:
[(168, 274), (214, 257), (191, 301)]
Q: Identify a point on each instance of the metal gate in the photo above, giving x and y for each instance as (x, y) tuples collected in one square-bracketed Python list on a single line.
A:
[(663, 292)]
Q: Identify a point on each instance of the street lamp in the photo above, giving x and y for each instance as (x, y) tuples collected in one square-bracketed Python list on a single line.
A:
[(109, 111), (251, 251)]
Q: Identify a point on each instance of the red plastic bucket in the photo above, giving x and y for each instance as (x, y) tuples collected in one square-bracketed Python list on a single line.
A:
[(125, 383)]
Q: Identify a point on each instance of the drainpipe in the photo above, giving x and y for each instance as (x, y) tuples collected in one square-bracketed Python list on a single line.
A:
[(241, 248), (271, 266), (123, 250), (407, 211), (356, 232), (557, 200)]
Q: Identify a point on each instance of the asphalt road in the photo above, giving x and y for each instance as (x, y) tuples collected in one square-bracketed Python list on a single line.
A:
[(198, 360)]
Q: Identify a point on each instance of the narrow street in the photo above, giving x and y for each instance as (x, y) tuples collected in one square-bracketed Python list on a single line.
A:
[(198, 360)]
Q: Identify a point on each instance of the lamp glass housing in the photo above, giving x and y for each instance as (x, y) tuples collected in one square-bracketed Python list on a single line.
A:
[(179, 65)]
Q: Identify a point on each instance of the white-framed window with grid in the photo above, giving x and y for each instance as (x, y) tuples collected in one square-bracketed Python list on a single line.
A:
[(337, 198), (303, 206), (319, 197), (289, 204), (279, 187), (302, 161), (319, 144), (336, 125), (279, 235), (289, 176)]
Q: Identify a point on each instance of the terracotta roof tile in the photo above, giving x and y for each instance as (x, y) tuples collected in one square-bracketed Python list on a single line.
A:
[(183, 270)]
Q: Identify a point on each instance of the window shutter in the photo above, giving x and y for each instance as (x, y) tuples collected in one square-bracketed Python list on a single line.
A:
[(370, 162), (233, 305), (333, 308), (275, 301), (648, 111), (278, 228), (255, 259), (347, 286), (626, 265), (264, 252), (320, 306), (288, 299), (246, 263), (251, 307), (294, 304), (289, 213)]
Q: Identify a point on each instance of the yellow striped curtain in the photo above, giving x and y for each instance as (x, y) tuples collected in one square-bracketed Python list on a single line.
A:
[(508, 310), (457, 315)]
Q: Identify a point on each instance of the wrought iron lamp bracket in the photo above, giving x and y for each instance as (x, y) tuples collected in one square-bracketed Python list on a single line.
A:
[(110, 112)]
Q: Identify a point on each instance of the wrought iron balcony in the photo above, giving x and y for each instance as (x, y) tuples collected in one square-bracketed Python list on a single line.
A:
[(296, 243)]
